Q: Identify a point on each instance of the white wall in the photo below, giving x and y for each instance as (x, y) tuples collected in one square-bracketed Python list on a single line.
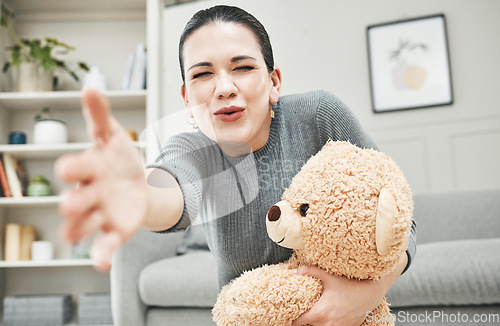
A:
[(321, 44)]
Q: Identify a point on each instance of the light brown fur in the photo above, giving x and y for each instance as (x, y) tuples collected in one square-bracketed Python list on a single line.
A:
[(341, 184)]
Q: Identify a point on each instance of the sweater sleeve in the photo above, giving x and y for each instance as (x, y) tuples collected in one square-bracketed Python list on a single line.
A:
[(411, 251), (179, 157), (335, 121)]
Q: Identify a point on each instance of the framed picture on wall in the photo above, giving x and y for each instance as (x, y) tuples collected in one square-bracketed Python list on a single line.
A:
[(409, 64)]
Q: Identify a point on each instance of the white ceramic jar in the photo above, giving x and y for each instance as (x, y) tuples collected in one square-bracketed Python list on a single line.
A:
[(50, 132), (42, 250)]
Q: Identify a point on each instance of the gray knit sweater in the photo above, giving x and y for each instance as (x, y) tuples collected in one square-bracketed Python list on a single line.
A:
[(231, 196)]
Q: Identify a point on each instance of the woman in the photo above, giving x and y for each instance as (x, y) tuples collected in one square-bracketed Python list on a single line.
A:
[(250, 143)]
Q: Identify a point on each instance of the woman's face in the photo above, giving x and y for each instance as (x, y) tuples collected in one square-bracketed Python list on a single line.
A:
[(228, 89)]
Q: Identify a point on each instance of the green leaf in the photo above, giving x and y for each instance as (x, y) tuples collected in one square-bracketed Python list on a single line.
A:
[(83, 66), (40, 179), (6, 67), (6, 15), (54, 42), (4, 21), (74, 75), (15, 57)]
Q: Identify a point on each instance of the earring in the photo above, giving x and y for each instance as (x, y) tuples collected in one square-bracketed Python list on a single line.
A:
[(191, 122), (273, 106)]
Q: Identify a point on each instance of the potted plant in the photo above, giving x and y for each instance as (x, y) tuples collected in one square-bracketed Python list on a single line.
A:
[(36, 59), (48, 130)]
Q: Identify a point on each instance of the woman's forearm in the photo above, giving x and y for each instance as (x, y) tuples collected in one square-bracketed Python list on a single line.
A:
[(165, 200)]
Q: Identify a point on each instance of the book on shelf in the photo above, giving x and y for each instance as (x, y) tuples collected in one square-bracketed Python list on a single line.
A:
[(1, 189), (10, 169), (135, 72), (2, 241), (15, 180), (27, 239), (3, 179), (128, 71), (12, 242), (18, 241), (22, 175)]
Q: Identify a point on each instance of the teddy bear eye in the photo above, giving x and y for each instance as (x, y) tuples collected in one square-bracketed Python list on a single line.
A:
[(303, 209)]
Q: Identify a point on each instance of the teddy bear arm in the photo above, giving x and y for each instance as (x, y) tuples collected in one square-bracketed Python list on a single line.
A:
[(270, 295)]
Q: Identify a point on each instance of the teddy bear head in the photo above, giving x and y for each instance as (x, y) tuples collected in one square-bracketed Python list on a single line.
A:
[(347, 211)]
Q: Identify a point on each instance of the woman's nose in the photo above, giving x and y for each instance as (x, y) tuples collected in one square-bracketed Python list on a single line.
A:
[(225, 86)]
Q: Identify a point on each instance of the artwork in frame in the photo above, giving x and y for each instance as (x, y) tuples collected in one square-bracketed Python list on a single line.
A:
[(409, 64)]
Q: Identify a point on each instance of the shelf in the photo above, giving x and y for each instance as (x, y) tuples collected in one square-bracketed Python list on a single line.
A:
[(48, 150), (69, 100), (51, 5), (43, 151), (30, 201), (47, 263)]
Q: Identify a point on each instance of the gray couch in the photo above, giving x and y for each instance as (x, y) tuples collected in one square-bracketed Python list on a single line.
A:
[(454, 280)]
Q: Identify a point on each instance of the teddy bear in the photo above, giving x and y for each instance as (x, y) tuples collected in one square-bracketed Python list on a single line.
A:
[(347, 211)]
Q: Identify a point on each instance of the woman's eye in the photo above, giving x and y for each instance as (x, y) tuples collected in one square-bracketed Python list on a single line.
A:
[(201, 74), (244, 68), (303, 209)]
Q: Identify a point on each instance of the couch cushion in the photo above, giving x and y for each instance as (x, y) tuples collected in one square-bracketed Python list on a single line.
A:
[(188, 280), (465, 272)]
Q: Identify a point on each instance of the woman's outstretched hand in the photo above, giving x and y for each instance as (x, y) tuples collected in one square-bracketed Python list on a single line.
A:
[(111, 193)]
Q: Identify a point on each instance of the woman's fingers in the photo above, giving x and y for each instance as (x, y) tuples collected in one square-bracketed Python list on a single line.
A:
[(79, 168), (103, 248), (97, 113), (79, 202), (76, 230)]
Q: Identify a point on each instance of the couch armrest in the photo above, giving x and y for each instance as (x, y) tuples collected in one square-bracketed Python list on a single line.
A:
[(142, 249)]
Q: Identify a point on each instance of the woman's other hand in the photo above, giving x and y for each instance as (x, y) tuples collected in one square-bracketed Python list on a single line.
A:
[(346, 302)]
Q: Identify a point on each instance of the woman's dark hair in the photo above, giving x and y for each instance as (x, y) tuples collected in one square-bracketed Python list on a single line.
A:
[(228, 14)]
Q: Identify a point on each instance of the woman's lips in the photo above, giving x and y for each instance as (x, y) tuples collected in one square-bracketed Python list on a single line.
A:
[(229, 114)]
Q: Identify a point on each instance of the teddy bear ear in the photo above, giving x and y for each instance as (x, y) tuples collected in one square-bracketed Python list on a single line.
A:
[(386, 217)]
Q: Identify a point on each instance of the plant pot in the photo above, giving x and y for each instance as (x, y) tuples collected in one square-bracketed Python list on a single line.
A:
[(39, 189), (45, 81), (32, 78), (50, 132), (27, 77)]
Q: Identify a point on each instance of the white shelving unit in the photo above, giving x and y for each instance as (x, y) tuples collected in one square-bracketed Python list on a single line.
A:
[(70, 100), (49, 150), (33, 202), (51, 263), (104, 33)]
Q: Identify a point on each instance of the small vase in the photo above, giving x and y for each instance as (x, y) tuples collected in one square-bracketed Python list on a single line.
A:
[(50, 132), (27, 77)]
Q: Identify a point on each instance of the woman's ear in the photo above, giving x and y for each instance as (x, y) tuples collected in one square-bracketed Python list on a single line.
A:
[(274, 95), (184, 95), (186, 102)]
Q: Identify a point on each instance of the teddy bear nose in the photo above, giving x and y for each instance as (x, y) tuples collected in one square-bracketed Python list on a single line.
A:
[(274, 213)]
